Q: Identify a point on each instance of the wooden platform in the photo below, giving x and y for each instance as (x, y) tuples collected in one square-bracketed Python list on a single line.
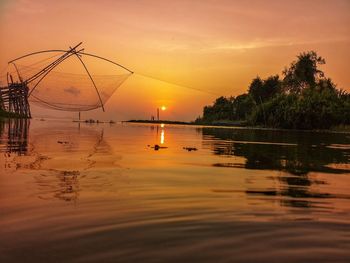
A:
[(14, 99)]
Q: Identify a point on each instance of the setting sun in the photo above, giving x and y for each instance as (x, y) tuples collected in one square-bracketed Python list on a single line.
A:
[(163, 108)]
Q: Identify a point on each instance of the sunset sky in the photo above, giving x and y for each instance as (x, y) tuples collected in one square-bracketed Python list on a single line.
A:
[(216, 46)]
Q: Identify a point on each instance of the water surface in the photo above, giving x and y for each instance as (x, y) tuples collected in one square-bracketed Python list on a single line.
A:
[(74, 192)]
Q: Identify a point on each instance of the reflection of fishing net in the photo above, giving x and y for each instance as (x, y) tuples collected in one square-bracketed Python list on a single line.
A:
[(68, 86)]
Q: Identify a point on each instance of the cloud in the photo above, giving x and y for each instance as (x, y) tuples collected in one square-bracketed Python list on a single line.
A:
[(30, 7), (72, 90), (214, 46), (268, 43)]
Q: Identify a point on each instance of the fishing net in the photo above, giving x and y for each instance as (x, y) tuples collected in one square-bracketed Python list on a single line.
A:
[(80, 82)]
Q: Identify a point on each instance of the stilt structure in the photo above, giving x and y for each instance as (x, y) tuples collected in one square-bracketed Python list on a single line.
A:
[(14, 135), (24, 84), (14, 99)]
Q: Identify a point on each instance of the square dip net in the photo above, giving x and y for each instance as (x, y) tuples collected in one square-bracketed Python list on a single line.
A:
[(67, 80)]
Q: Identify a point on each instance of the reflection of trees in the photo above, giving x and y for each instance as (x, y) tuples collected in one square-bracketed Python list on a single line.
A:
[(14, 136), (296, 153)]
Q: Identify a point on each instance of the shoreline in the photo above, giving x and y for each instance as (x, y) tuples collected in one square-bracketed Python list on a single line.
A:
[(230, 126), (343, 130)]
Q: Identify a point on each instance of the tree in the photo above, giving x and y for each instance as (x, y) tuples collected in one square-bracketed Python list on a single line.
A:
[(255, 89), (326, 84), (262, 90), (305, 99), (243, 106), (303, 73), (222, 109), (271, 87)]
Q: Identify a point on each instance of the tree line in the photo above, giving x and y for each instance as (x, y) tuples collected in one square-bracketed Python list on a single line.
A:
[(304, 98)]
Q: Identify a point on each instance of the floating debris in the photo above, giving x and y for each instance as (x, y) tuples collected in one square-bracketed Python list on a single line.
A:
[(90, 121), (190, 148), (156, 147), (62, 142)]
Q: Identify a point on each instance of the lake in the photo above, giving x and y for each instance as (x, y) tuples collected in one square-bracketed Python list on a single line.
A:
[(77, 192)]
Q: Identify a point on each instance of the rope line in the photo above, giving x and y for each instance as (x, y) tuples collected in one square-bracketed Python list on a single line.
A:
[(68, 91), (175, 84)]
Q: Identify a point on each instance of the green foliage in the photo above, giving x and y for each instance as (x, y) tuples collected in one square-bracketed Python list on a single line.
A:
[(263, 90), (243, 106), (304, 99), (303, 73), (345, 107), (311, 110), (221, 110), (228, 109), (256, 88)]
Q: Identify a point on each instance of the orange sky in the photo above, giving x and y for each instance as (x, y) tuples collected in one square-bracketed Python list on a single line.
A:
[(217, 46)]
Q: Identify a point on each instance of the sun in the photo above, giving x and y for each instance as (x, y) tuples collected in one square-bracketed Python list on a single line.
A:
[(163, 108)]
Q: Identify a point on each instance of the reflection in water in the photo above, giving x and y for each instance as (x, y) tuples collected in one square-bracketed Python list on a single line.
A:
[(162, 137), (98, 194), (60, 156), (63, 185), (162, 132), (295, 154), (75, 153), (14, 136)]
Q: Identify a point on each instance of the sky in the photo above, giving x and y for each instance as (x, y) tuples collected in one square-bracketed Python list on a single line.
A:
[(208, 47)]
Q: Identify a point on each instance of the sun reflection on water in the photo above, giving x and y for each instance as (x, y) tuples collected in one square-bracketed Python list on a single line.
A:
[(162, 137)]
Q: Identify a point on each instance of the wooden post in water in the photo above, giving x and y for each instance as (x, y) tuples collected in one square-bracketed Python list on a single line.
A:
[(14, 99)]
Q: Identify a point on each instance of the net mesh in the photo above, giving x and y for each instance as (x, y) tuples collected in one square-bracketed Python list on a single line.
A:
[(68, 86)]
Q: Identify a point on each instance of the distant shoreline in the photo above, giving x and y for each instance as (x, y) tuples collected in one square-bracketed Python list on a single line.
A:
[(223, 124), (216, 124), (237, 125), (161, 122)]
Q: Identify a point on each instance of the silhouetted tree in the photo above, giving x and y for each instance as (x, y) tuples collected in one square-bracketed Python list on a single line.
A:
[(221, 110), (243, 106), (262, 90), (303, 73), (255, 89), (271, 87), (305, 99)]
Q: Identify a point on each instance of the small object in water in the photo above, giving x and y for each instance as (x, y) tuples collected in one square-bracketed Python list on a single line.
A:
[(156, 147), (42, 119), (62, 142), (190, 148)]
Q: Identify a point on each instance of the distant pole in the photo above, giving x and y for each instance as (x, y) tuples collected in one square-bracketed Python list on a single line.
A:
[(158, 114), (79, 115)]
